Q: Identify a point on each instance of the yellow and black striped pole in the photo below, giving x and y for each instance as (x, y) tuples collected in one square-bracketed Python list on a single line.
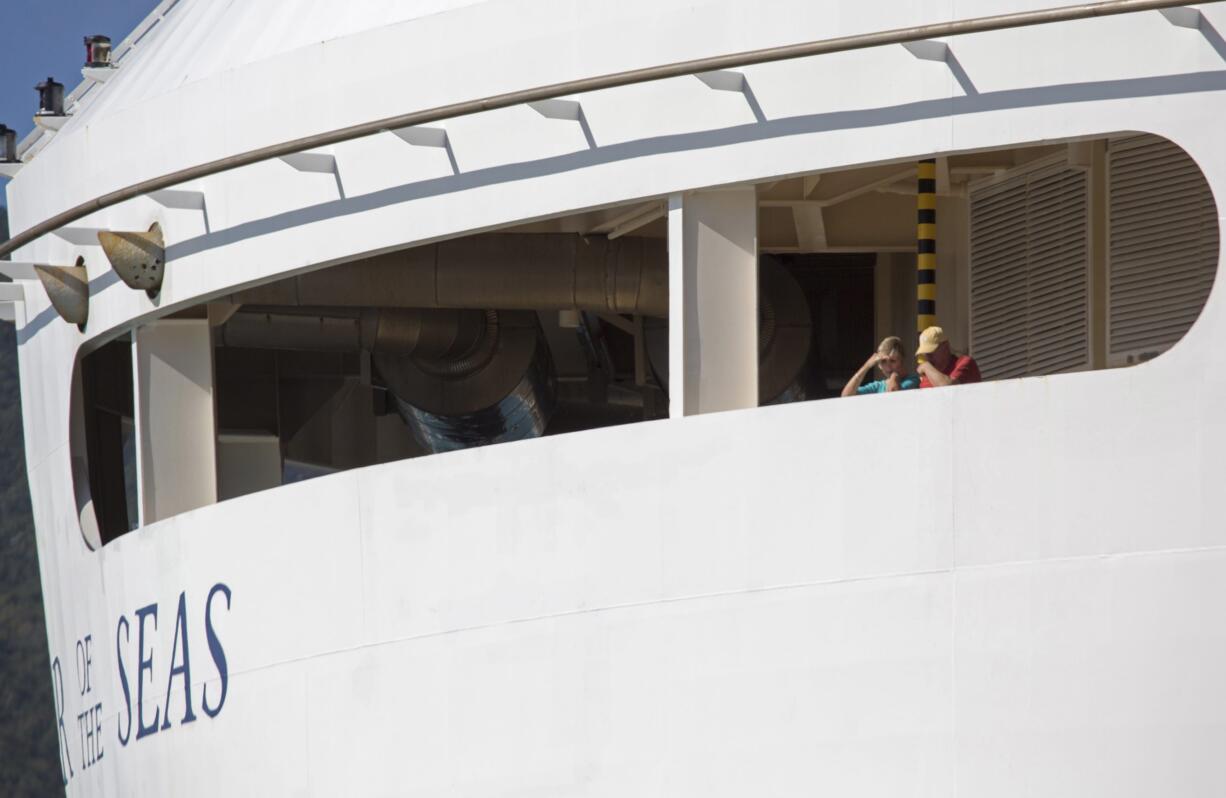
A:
[(926, 246)]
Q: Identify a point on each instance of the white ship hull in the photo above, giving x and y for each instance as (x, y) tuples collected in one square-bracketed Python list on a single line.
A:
[(1003, 589)]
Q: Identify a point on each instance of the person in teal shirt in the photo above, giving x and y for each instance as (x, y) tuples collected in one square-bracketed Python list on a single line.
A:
[(891, 359)]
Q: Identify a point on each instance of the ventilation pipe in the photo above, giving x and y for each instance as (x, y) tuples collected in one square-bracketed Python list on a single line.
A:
[(500, 389), (422, 333), (460, 378), (509, 271)]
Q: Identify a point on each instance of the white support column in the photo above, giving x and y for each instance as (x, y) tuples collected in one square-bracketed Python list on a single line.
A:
[(713, 301), (176, 427)]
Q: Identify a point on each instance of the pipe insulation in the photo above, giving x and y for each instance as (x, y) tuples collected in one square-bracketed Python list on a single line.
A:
[(501, 388), (430, 333), (460, 378), (522, 413), (508, 271)]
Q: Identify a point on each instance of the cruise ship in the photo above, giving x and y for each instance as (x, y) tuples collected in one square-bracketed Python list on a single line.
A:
[(443, 398)]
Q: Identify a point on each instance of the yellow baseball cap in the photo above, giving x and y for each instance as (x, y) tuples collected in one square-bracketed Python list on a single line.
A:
[(930, 339)]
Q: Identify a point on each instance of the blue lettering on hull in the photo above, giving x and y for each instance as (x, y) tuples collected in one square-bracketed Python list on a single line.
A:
[(149, 660)]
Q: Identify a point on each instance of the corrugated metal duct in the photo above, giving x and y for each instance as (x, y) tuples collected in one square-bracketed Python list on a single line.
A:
[(508, 271), (417, 332), (501, 389), (460, 378)]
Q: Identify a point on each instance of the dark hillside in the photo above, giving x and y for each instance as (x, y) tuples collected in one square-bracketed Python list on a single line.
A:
[(28, 765)]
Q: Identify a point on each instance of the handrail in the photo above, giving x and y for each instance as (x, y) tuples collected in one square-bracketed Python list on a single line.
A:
[(582, 85)]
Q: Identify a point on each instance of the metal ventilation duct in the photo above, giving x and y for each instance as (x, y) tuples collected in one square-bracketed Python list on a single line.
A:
[(509, 271), (523, 413), (460, 378), (501, 388), (423, 332)]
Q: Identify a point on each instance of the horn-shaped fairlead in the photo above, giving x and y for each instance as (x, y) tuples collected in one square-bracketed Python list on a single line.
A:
[(68, 289), (138, 258)]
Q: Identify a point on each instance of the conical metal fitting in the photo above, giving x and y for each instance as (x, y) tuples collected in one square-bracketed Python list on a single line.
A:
[(138, 258), (68, 289)]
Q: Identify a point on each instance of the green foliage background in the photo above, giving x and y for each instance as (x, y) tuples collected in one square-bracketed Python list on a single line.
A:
[(28, 763)]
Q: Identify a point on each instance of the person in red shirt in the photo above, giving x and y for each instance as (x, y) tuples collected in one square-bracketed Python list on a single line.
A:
[(942, 366)]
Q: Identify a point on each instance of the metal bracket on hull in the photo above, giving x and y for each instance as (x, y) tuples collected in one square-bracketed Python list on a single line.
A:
[(98, 74), (138, 258), (940, 52), (68, 289), (566, 111), (17, 270), (51, 123), (1183, 17), (429, 137), (180, 199), (79, 236), (734, 81), (323, 163), (10, 295), (183, 200)]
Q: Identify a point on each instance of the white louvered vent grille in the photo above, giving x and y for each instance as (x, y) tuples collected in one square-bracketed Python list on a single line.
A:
[(1164, 246), (1029, 274)]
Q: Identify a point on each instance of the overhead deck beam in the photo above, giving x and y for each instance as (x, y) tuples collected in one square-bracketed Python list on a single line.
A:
[(838, 199), (622, 218), (552, 91)]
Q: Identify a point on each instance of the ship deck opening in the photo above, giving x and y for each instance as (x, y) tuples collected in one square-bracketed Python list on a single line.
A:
[(1049, 258)]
